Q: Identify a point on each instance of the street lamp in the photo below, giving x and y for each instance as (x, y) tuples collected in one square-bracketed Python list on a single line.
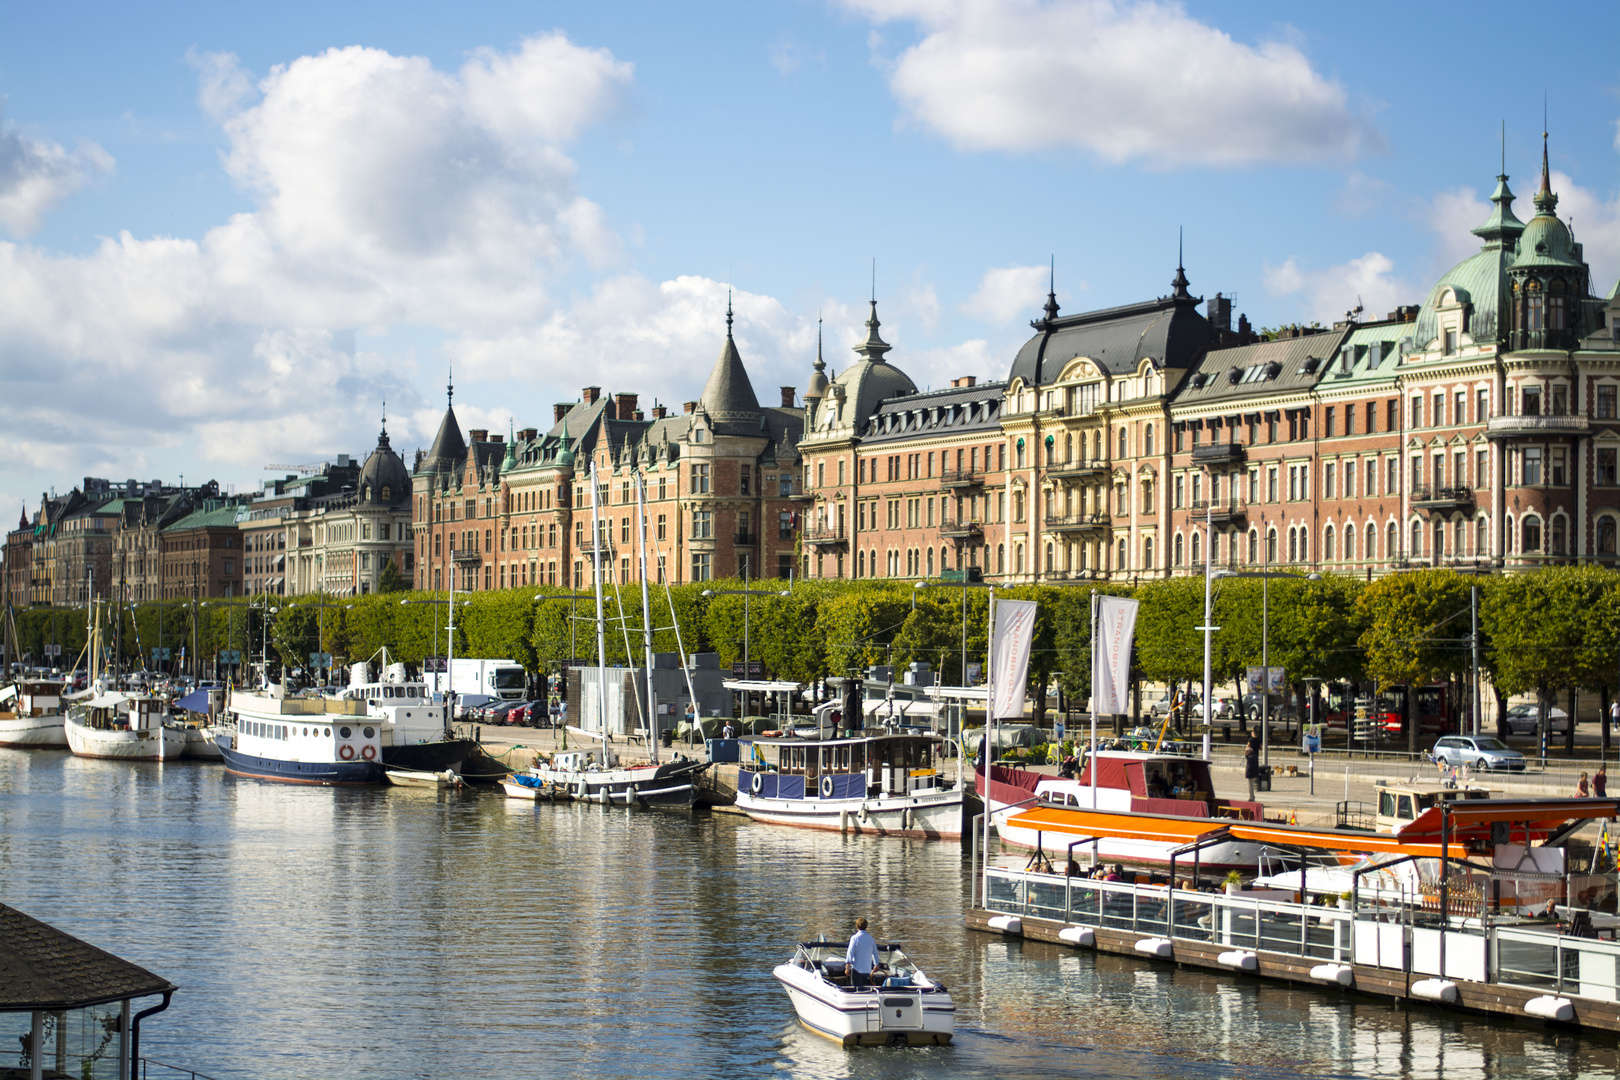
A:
[(710, 594), (1265, 577)]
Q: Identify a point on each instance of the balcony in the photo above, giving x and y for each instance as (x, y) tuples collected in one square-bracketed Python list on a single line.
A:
[(589, 550), (1507, 427), (464, 556), (961, 529), (745, 539), (1083, 469), (1443, 500), (1220, 512), (801, 495), (1093, 523), (825, 536), (1229, 453), (961, 478)]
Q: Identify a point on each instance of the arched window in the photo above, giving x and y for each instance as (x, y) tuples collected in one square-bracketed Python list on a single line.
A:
[(1271, 545), (1482, 537), (1068, 447), (1327, 544), (1179, 549), (1254, 545), (1508, 533), (1049, 566), (1439, 546), (1558, 534), (1096, 444), (1532, 535), (860, 564), (1018, 558), (1001, 558), (1147, 553), (1458, 537), (1605, 536), (1122, 443), (1293, 545), (1121, 556), (1349, 542), (1417, 540), (1147, 441), (1196, 540), (930, 562)]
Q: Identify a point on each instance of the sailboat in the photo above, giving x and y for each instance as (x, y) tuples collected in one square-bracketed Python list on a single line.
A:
[(31, 706), (596, 775), (114, 724)]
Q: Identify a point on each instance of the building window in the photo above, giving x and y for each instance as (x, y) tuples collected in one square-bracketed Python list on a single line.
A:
[(1532, 535), (702, 528), (1327, 544), (1558, 534), (1178, 549), (1147, 441), (1606, 403), (1329, 422), (1531, 398), (701, 561), (1481, 536), (1327, 484), (1605, 537), (1530, 474)]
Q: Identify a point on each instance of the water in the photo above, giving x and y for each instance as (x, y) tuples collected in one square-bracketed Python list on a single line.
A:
[(390, 933)]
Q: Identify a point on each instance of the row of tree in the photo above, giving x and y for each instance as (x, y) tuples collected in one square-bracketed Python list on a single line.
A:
[(1552, 630)]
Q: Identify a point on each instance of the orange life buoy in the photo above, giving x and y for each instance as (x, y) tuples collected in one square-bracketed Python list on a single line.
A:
[(346, 752), (369, 753)]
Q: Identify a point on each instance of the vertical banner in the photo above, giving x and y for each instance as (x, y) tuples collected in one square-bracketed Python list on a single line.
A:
[(1111, 655), (1009, 657)]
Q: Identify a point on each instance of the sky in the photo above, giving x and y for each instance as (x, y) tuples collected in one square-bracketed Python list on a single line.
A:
[(232, 235)]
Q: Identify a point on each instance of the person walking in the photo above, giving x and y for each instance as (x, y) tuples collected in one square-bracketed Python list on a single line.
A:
[(1600, 782), (861, 954), (1582, 789), (1251, 763)]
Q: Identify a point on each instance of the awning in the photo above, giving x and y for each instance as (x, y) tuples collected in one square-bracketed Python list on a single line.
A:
[(1539, 814), (109, 700), (8, 694), (762, 685), (196, 701)]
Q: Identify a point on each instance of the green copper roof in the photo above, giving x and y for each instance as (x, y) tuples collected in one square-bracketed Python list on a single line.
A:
[(1503, 227), (1480, 276), (218, 517)]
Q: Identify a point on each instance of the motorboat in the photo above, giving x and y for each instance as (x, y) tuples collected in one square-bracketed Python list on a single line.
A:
[(525, 786), (301, 740), (415, 730), (882, 782), (31, 715), (586, 776), (419, 778), (902, 1007), (123, 726), (1129, 785)]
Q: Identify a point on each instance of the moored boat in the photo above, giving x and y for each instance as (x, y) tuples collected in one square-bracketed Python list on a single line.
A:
[(301, 741), (1127, 783), (416, 778), (903, 1008), (583, 776), (120, 726), (31, 715), (880, 783)]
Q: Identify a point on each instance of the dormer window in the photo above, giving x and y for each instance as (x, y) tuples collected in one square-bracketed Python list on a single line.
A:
[(386, 493), (1449, 342)]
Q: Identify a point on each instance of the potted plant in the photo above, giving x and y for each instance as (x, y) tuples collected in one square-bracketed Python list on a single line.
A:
[(1234, 883), (1345, 899)]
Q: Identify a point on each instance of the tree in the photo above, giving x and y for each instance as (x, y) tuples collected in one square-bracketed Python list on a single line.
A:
[(1413, 623), (391, 580)]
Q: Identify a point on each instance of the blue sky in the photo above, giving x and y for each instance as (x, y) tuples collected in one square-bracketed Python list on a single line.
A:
[(227, 234)]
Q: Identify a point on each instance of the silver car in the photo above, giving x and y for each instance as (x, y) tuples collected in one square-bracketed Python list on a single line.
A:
[(1477, 752)]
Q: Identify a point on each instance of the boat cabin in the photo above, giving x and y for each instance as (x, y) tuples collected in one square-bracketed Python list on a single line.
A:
[(31, 697), (1146, 784), (860, 767), (115, 711), (385, 693), (1401, 804)]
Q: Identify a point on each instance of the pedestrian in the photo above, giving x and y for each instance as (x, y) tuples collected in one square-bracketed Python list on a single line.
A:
[(1069, 767), (1251, 763), (728, 732), (1582, 789), (1614, 714), (861, 954), (1600, 782)]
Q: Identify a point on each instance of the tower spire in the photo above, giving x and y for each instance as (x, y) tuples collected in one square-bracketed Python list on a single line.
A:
[(728, 314), (450, 387), (1179, 283), (1546, 202), (385, 418), (1051, 308)]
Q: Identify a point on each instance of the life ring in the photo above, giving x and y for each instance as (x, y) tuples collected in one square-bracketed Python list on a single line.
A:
[(369, 752), (826, 787), (346, 752), (757, 784)]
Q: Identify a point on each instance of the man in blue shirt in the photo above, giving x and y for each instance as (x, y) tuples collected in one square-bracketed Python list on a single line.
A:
[(861, 954)]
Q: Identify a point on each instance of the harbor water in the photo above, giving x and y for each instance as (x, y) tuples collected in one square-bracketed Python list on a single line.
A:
[(390, 933)]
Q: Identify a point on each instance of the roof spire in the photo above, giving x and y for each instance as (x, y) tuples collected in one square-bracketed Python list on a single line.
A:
[(385, 418), (874, 346), (449, 387), (1546, 202), (728, 314), (1051, 290), (1180, 281)]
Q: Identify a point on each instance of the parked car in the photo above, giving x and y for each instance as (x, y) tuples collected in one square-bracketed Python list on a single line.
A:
[(1162, 705), (1478, 752), (503, 712), (1225, 707), (1282, 706), (1522, 720), (467, 703)]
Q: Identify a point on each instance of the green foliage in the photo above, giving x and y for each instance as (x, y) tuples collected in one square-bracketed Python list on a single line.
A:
[(391, 580), (1412, 623), (1553, 629)]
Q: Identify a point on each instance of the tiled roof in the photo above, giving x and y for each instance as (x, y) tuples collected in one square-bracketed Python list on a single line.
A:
[(1259, 370), (1170, 331), (43, 968)]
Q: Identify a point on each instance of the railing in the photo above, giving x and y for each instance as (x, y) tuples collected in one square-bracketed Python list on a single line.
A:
[(960, 528), (1093, 522), (826, 534), (961, 478), (1219, 453), (147, 1065), (1218, 510), (1442, 497), (745, 539), (466, 555), (1504, 426), (1081, 468)]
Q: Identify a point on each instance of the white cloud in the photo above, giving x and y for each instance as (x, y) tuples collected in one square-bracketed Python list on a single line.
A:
[(35, 175), (1450, 216), (1325, 295), (386, 195), (222, 83), (787, 56), (1123, 80), (1005, 292)]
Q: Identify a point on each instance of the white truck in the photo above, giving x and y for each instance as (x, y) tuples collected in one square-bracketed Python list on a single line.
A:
[(504, 679)]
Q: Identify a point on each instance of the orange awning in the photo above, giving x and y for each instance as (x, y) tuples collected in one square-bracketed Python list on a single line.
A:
[(1541, 815), (1117, 824)]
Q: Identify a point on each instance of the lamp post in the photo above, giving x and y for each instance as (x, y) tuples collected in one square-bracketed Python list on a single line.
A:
[(710, 594), (1265, 577)]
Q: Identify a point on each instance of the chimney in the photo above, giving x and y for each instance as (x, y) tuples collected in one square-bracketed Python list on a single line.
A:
[(965, 380), (479, 434), (689, 407), (640, 415), (560, 410), (1220, 313), (787, 396), (497, 439), (528, 433), (624, 406), (1244, 330), (660, 411), (590, 394)]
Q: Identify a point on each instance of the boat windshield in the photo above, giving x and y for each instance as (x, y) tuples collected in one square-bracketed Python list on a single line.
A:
[(895, 960)]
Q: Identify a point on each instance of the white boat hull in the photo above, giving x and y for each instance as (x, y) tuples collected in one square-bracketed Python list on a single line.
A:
[(200, 744), (868, 1017), (33, 732), (163, 744), (925, 815)]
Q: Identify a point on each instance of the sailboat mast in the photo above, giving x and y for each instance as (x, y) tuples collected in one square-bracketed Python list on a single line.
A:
[(450, 655), (601, 644), (646, 621)]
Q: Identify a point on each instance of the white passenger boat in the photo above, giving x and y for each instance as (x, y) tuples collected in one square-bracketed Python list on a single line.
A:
[(880, 783), (123, 726), (415, 729), (582, 775), (903, 1008), (31, 715), (302, 740), (1128, 783)]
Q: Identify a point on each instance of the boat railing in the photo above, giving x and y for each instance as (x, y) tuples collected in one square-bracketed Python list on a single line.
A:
[(1399, 931), (165, 1071)]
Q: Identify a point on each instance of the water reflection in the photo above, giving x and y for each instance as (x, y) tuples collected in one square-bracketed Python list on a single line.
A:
[(399, 933)]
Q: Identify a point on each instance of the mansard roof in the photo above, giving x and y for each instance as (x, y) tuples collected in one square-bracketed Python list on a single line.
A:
[(957, 411), (1264, 369), (1169, 330)]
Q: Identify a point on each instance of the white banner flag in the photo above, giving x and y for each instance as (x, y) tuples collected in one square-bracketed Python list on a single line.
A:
[(1111, 655), (1009, 657)]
